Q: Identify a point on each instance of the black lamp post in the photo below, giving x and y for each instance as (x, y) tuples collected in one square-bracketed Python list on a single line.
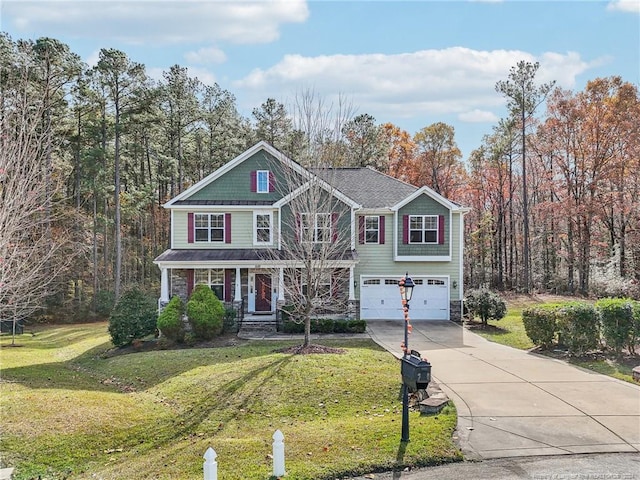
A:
[(406, 291)]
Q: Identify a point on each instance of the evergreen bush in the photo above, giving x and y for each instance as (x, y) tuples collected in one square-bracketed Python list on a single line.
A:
[(132, 318), (617, 317), (485, 304), (540, 324), (578, 327), (205, 313), (635, 339), (321, 325), (170, 320)]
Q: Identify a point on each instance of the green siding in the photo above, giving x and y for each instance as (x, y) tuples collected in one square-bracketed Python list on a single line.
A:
[(344, 218), (424, 205), (236, 183), (378, 259), (241, 230)]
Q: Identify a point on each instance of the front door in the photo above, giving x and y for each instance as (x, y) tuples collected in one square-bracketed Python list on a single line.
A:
[(263, 292)]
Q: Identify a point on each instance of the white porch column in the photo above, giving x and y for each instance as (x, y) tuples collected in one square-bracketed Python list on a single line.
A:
[(237, 294), (352, 288), (164, 285), (281, 284)]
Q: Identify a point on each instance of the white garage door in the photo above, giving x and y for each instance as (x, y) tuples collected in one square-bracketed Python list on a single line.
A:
[(380, 298)]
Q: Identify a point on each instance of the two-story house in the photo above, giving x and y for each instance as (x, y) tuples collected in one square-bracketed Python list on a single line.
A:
[(223, 226)]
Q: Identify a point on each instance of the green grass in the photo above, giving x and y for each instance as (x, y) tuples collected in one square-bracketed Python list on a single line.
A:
[(69, 412), (616, 368), (510, 331), (507, 331)]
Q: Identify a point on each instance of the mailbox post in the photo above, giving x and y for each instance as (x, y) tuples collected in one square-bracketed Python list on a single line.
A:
[(406, 291)]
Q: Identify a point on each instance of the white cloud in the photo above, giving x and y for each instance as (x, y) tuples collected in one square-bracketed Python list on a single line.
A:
[(478, 116), (202, 74), (92, 59), (632, 6), (206, 55), (452, 81), (163, 22)]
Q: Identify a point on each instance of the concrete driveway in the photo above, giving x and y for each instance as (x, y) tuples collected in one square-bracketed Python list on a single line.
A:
[(512, 403)]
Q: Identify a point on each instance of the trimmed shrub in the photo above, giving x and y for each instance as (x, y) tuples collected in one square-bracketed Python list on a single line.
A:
[(635, 339), (485, 304), (132, 318), (205, 313), (289, 326), (578, 327), (325, 325), (321, 325), (170, 320), (341, 326), (618, 325), (356, 326), (540, 324)]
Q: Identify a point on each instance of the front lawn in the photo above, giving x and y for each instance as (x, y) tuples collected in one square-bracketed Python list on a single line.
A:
[(69, 411)]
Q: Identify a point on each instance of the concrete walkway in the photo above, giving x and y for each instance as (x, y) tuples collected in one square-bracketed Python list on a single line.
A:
[(512, 403)]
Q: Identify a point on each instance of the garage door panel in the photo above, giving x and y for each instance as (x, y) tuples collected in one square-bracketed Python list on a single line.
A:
[(380, 299)]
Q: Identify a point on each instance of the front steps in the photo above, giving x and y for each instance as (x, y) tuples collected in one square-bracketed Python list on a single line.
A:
[(252, 324)]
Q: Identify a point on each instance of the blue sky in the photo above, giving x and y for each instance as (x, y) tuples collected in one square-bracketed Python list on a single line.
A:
[(410, 63)]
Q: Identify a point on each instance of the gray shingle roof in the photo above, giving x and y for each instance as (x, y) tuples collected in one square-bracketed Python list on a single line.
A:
[(366, 186)]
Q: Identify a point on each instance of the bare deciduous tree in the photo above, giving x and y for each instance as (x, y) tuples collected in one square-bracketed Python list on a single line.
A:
[(315, 248), (30, 262)]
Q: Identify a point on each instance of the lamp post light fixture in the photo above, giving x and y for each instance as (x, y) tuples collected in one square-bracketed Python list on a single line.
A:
[(406, 292)]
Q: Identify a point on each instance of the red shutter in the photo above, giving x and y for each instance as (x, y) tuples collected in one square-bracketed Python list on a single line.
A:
[(381, 234), (361, 229), (189, 282), (272, 182), (334, 227), (227, 228), (254, 181), (190, 229), (441, 229), (227, 284), (405, 229)]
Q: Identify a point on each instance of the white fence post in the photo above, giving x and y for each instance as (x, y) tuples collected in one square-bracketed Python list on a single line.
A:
[(210, 465), (278, 454)]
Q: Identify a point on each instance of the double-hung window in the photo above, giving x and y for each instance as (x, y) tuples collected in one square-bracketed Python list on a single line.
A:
[(372, 229), (209, 227), (212, 277), (316, 227), (263, 231), (423, 229)]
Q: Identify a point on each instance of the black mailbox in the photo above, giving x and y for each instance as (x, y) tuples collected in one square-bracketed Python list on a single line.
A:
[(416, 372)]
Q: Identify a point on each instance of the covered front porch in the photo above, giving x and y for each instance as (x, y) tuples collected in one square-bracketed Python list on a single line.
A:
[(242, 278)]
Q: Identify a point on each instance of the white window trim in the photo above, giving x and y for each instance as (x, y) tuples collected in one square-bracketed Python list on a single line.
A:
[(424, 230), (209, 282), (208, 240), (314, 227), (377, 217), (255, 227), (258, 173)]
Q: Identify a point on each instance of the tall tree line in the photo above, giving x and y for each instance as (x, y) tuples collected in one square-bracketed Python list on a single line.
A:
[(580, 196), (113, 146)]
